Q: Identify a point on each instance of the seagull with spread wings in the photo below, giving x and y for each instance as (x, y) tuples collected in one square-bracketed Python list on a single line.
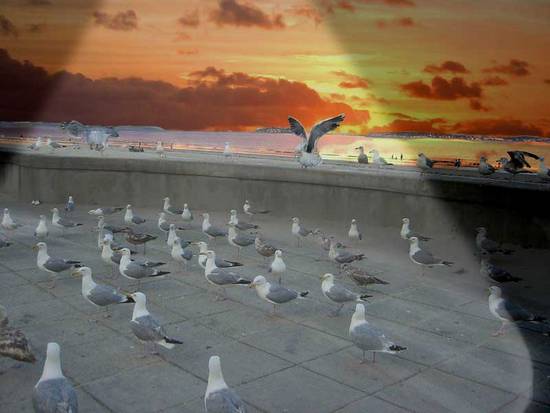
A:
[(309, 155)]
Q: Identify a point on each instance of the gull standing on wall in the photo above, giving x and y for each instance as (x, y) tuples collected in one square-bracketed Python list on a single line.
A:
[(309, 155), (377, 159), (362, 157), (485, 168)]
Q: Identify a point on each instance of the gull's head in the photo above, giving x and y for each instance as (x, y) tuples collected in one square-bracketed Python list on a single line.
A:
[(82, 271), (246, 202), (413, 240), (185, 206), (41, 246), (70, 198), (359, 314), (125, 252), (353, 221), (6, 211), (359, 148), (214, 365), (106, 241), (233, 212), (481, 230), (296, 220), (405, 220), (210, 254), (129, 206), (483, 159), (139, 297), (205, 215), (328, 276), (162, 215), (279, 253), (42, 217), (373, 151), (172, 227), (53, 352), (166, 199), (55, 210), (420, 155), (176, 241), (495, 291), (259, 280)]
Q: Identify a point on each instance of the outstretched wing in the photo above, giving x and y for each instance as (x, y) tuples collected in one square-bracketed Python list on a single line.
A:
[(297, 128), (321, 128), (519, 156)]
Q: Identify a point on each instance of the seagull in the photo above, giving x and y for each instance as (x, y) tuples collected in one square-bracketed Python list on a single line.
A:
[(377, 159), (353, 232), (179, 253), (186, 214), (220, 277), (361, 277), (13, 343), (362, 158), (160, 150), (219, 398), (53, 392), (487, 245), (309, 155), (407, 233), (130, 218), (136, 238), (508, 312), (299, 231), (172, 235), (495, 273), (113, 229), (517, 162), (164, 225), (485, 168), (53, 145), (339, 294), (240, 225), (275, 294), (278, 266), (424, 258), (146, 327), (105, 211), (41, 230), (220, 263), (7, 222), (37, 144), (135, 270), (62, 223), (324, 240), (169, 209), (423, 162), (369, 338), (227, 150), (100, 295), (543, 171), (211, 231), (239, 240), (70, 205), (108, 256), (249, 210), (52, 265), (343, 257), (263, 248)]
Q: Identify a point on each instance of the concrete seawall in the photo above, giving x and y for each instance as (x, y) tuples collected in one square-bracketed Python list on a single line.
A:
[(511, 210)]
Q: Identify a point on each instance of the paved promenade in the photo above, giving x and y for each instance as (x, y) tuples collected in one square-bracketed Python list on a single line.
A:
[(299, 362)]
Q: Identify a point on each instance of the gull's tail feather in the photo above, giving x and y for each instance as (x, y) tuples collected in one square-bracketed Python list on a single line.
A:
[(364, 297), (379, 281), (234, 263), (243, 281), (396, 348), (160, 273), (447, 263), (304, 294), (422, 238)]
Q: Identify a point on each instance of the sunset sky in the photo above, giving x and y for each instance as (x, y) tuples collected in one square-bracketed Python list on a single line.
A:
[(390, 65)]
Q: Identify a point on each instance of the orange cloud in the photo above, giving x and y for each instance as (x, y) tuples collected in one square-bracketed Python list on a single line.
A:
[(122, 21), (233, 13), (190, 19), (351, 81), (7, 28), (476, 104), (515, 67), (443, 89), (506, 127), (213, 100), (494, 81), (399, 22), (411, 125), (447, 66)]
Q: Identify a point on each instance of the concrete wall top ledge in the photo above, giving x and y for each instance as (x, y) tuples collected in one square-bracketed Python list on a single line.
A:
[(401, 180)]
